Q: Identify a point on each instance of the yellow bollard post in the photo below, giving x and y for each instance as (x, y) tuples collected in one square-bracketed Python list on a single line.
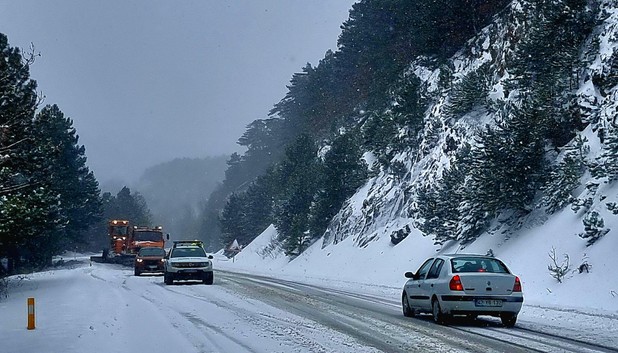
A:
[(30, 313)]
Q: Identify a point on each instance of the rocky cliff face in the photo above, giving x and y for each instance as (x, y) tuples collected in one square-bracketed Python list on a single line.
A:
[(385, 205)]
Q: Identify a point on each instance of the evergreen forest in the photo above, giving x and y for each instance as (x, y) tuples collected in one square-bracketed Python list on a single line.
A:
[(474, 109)]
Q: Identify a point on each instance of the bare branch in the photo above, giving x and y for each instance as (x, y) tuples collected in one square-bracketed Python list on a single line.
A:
[(8, 189), (558, 271)]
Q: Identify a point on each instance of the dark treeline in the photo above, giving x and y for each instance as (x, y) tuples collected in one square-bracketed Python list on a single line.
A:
[(49, 199)]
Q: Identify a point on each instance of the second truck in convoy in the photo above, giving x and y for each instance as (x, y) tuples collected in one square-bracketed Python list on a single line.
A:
[(125, 241)]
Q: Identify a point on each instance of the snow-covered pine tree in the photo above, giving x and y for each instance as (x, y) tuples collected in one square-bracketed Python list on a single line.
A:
[(565, 176), (594, 227), (606, 165)]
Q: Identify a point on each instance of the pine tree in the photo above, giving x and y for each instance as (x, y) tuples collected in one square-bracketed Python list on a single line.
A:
[(67, 174), (28, 209), (564, 177), (606, 165), (247, 214), (131, 207), (450, 196), (342, 173), (594, 227), (233, 218), (469, 93), (296, 177), (545, 64)]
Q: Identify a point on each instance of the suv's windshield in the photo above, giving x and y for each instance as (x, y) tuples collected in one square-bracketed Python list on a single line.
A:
[(151, 252), (188, 252)]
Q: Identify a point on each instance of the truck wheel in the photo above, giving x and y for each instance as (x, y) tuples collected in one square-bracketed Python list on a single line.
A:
[(168, 279), (137, 273), (209, 278)]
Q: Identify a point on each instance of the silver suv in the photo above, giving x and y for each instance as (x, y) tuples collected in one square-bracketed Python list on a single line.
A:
[(187, 260)]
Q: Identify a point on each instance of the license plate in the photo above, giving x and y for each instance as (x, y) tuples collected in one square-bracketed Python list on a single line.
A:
[(488, 302), (152, 267), (189, 271)]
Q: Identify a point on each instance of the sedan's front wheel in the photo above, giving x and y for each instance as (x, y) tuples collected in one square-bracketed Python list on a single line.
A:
[(407, 311)]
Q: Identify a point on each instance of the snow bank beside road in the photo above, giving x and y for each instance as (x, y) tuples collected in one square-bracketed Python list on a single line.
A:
[(579, 306)]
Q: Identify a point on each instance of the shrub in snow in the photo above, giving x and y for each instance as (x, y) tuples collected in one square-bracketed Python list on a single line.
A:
[(584, 267), (588, 200), (594, 227), (612, 207), (558, 271)]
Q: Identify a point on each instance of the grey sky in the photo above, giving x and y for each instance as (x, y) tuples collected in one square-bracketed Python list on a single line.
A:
[(148, 81)]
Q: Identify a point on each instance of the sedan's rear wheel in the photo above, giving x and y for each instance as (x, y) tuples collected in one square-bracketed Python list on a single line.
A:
[(508, 319), (438, 316), (407, 311)]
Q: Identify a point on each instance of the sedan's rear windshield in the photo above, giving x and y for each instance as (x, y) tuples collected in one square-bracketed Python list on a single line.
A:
[(188, 252), (478, 264)]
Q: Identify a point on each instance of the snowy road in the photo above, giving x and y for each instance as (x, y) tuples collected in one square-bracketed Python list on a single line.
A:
[(104, 308), (377, 321)]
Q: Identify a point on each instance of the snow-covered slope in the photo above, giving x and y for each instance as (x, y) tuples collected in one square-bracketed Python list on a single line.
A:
[(357, 246)]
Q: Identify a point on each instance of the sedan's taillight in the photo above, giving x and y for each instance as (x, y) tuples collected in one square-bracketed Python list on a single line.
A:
[(517, 285), (455, 283)]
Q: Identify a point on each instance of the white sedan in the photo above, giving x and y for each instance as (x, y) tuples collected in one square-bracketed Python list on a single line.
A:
[(463, 284)]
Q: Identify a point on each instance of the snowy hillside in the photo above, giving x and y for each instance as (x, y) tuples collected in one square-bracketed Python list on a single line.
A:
[(357, 246)]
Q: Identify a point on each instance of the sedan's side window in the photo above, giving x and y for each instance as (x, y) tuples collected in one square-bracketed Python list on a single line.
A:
[(424, 269), (434, 272)]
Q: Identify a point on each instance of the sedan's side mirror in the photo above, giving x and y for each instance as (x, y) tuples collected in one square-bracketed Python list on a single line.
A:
[(409, 275), (210, 257)]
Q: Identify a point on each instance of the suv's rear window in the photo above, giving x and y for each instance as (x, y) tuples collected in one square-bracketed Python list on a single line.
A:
[(188, 252), (478, 264), (151, 252)]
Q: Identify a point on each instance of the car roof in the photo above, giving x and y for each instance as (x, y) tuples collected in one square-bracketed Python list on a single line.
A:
[(187, 246), (188, 243), (452, 256)]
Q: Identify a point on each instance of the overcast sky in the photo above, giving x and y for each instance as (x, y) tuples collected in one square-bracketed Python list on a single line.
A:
[(148, 81)]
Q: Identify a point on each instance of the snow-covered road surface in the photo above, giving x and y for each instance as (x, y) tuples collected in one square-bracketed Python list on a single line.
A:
[(104, 308)]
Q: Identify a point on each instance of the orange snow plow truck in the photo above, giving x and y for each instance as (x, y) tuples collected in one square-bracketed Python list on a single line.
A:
[(126, 241)]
